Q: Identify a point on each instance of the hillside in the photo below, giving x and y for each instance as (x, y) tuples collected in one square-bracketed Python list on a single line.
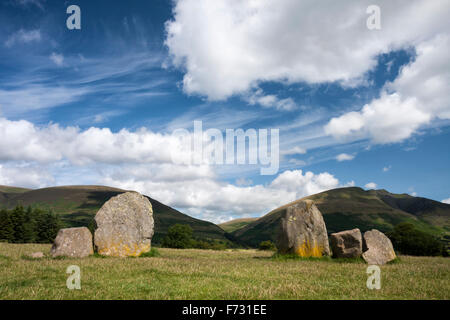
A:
[(347, 208), (77, 206), (7, 189), (236, 224)]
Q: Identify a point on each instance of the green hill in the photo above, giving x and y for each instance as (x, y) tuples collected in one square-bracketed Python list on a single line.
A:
[(7, 189), (348, 208), (77, 206), (236, 224)]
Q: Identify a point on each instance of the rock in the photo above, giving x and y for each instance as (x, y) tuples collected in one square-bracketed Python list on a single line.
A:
[(37, 255), (124, 226), (346, 244), (73, 242), (377, 248), (303, 231)]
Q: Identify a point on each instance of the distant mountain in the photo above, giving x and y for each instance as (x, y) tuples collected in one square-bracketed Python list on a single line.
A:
[(236, 224), (78, 205), (348, 208)]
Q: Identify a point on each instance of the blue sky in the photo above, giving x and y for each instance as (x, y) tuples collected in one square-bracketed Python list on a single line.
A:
[(354, 106)]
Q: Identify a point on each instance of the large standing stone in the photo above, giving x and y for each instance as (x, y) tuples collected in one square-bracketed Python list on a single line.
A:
[(346, 244), (73, 242), (303, 231), (125, 226), (377, 247)]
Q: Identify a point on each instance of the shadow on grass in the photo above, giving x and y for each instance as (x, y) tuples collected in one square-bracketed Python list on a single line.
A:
[(30, 258)]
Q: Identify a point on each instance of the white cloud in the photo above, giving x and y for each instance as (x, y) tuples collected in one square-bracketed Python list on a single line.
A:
[(141, 160), (24, 176), (23, 36), (386, 169), (57, 58), (22, 140), (210, 199), (228, 47), (419, 95), (447, 201), (344, 157), (370, 185)]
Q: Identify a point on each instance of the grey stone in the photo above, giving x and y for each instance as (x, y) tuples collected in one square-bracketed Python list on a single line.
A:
[(346, 244), (303, 231), (73, 242), (377, 248), (125, 226), (37, 255)]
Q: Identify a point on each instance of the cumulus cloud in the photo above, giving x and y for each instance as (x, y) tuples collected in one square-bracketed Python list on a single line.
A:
[(447, 201), (25, 176), (211, 199), (142, 160), (370, 185), (22, 140), (228, 47), (418, 95), (344, 157)]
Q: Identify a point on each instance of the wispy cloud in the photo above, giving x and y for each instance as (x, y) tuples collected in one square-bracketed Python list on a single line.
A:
[(14, 102), (23, 36), (57, 58), (123, 80)]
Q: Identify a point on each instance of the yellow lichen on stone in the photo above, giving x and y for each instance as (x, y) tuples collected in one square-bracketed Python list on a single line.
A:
[(123, 250), (306, 250)]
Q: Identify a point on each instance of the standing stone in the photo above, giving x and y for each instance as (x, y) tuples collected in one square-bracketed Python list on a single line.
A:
[(303, 231), (125, 226), (73, 242), (346, 244), (378, 248)]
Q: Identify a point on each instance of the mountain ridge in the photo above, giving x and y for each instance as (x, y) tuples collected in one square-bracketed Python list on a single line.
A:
[(354, 207)]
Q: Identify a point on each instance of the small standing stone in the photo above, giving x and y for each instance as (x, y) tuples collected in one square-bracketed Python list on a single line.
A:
[(377, 247), (37, 255), (346, 244), (73, 242)]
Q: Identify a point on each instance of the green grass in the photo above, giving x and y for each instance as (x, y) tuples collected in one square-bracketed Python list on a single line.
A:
[(208, 274)]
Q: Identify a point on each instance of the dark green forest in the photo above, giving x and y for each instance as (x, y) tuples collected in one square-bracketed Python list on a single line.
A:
[(28, 225)]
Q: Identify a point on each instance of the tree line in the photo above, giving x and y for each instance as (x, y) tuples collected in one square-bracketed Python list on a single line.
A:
[(28, 225), (407, 239), (180, 236)]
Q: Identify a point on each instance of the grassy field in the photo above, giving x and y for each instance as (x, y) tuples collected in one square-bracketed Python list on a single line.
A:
[(206, 274)]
